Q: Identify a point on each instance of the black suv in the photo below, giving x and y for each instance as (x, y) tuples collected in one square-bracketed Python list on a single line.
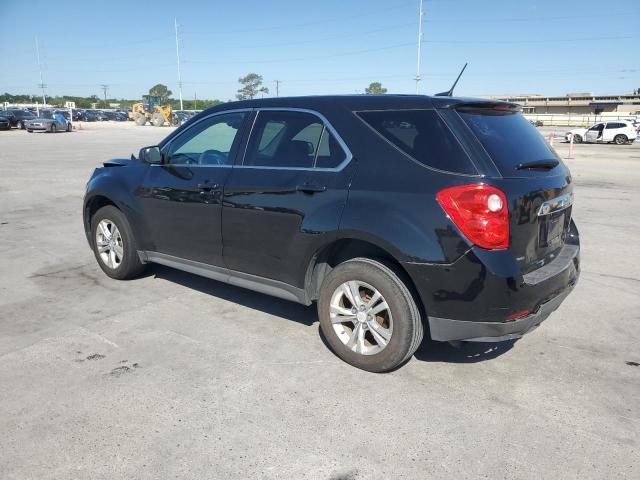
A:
[(394, 213)]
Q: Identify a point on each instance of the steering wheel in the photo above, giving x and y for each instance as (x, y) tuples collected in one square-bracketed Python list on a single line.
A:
[(212, 157)]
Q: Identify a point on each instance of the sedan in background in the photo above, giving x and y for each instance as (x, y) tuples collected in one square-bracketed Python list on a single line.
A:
[(619, 132), (49, 122)]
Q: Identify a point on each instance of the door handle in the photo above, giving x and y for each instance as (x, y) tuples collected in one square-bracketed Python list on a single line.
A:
[(208, 187), (310, 188)]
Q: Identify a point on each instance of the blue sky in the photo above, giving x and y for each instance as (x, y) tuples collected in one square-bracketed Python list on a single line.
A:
[(321, 47)]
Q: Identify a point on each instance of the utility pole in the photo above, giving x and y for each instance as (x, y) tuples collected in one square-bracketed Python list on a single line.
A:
[(195, 101), (175, 22), (104, 89), (418, 77), (277, 82), (41, 85)]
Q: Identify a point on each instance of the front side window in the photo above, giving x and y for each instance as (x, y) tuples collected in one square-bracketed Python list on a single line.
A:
[(209, 142), (284, 139)]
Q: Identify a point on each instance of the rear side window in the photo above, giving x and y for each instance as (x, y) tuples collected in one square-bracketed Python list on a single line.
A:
[(615, 125), (507, 137), (423, 136)]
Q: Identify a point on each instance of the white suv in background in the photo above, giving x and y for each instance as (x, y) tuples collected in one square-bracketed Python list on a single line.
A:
[(617, 131)]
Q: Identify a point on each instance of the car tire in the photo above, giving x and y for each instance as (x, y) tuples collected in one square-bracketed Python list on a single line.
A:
[(53, 128), (114, 244), (21, 125), (620, 139), (577, 139), (29, 130), (69, 127), (383, 338), (140, 119)]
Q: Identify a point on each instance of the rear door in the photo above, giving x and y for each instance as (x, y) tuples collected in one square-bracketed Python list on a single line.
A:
[(286, 198), (537, 184), (182, 198)]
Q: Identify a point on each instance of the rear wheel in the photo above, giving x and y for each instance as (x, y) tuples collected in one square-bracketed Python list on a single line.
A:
[(114, 245), (69, 127), (368, 315), (157, 119), (620, 139)]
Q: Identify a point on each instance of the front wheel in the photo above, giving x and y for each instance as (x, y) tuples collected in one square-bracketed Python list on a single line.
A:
[(577, 139), (21, 125), (53, 128), (114, 245), (620, 139), (368, 315)]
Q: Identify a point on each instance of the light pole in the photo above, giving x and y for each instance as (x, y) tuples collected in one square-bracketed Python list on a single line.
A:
[(418, 77), (175, 22)]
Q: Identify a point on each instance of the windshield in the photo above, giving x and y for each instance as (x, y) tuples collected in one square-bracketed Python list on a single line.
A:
[(507, 137)]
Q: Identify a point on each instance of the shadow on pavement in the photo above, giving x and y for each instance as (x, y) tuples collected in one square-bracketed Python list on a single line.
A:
[(467, 352), (247, 298), (429, 351)]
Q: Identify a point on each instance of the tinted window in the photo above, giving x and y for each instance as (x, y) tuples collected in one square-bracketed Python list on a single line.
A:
[(284, 139), (422, 135), (209, 142), (330, 153), (507, 137), (615, 125)]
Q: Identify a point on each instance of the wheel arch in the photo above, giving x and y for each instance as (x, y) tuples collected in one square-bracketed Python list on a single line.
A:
[(91, 205), (353, 246)]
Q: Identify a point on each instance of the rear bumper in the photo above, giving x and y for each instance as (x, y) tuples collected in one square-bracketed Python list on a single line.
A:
[(446, 329), (472, 298)]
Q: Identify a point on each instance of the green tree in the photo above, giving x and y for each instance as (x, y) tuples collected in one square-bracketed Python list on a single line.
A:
[(251, 86), (161, 91), (375, 87)]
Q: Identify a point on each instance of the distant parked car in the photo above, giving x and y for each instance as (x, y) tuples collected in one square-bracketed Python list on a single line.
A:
[(618, 132), (5, 124), (17, 117), (90, 116), (49, 122)]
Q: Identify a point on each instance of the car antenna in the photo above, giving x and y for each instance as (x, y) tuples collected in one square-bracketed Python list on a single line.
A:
[(449, 92)]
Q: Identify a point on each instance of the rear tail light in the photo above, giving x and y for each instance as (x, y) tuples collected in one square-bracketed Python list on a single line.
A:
[(480, 212)]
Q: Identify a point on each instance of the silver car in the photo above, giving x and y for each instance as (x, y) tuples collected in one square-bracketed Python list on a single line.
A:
[(49, 122)]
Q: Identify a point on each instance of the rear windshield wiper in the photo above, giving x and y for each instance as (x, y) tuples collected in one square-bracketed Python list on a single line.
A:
[(538, 165)]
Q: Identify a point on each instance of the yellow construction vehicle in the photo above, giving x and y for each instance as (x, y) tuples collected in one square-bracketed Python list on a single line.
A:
[(150, 110)]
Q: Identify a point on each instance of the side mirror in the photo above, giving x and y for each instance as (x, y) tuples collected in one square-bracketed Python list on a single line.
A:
[(150, 155)]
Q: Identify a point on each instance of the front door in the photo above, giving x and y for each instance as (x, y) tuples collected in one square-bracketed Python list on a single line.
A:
[(286, 199), (182, 197), (594, 134)]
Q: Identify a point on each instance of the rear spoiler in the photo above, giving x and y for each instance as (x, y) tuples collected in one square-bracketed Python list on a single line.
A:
[(488, 108)]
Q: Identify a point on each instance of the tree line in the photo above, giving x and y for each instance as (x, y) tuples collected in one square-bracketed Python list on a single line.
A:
[(251, 87)]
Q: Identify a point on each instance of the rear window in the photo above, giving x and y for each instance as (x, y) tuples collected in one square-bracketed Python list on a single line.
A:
[(423, 136), (507, 137)]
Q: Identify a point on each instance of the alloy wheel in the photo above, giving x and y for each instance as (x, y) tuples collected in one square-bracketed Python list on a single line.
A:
[(109, 243), (361, 317)]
